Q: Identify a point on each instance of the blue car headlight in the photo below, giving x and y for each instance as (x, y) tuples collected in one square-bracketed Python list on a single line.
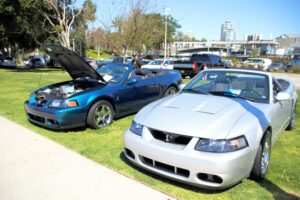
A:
[(221, 146), (63, 104), (136, 128)]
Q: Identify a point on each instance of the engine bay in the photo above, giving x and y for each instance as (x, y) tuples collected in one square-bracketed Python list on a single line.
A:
[(64, 90)]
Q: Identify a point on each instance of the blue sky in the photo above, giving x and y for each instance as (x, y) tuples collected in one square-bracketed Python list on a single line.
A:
[(270, 18)]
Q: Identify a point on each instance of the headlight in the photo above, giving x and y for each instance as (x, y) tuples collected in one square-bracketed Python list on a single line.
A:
[(63, 104), (221, 146), (136, 128)]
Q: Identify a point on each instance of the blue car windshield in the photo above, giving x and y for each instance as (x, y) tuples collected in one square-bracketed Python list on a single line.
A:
[(112, 73), (237, 84)]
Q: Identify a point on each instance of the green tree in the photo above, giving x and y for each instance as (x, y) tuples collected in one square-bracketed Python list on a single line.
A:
[(20, 24)]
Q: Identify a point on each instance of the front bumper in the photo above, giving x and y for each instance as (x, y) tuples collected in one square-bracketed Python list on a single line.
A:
[(184, 164), (55, 118)]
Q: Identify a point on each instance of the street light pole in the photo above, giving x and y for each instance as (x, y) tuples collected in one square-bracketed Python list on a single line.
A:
[(166, 29)]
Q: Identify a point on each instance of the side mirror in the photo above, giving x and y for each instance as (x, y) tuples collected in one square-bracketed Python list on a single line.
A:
[(131, 81), (181, 86), (282, 96)]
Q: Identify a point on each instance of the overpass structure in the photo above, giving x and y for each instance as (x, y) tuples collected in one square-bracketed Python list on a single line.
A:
[(222, 48)]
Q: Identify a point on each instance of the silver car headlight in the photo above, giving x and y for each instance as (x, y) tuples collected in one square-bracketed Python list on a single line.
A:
[(221, 146), (136, 128), (63, 104)]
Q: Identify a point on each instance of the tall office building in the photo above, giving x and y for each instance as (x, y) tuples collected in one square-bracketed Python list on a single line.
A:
[(227, 31)]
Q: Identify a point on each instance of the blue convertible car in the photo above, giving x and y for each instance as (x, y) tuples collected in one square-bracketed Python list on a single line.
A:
[(96, 97)]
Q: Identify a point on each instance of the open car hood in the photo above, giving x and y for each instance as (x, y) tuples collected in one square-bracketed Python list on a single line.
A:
[(75, 65)]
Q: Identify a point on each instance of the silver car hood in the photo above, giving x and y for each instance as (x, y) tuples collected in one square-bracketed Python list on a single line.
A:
[(195, 115)]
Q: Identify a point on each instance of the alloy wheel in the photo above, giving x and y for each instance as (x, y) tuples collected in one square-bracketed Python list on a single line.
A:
[(265, 158), (103, 115)]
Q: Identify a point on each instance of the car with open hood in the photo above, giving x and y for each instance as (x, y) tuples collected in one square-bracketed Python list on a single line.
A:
[(95, 97), (218, 130)]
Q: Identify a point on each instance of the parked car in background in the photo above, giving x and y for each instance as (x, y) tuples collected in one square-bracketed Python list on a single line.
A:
[(257, 63), (159, 64), (197, 63), (276, 66), (218, 130), (94, 98), (8, 62), (293, 63), (92, 62), (115, 59), (144, 61), (36, 62), (228, 63), (26, 61)]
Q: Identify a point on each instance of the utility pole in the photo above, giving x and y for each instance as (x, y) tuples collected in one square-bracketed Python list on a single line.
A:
[(166, 29)]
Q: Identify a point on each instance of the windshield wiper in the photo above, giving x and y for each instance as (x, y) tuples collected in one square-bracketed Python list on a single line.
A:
[(229, 94), (194, 91)]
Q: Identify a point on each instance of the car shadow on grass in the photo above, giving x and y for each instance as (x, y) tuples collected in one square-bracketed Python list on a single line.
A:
[(172, 182), (68, 130), (277, 192)]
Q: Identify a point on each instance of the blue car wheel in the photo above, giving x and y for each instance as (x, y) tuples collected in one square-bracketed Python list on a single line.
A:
[(101, 114), (170, 91)]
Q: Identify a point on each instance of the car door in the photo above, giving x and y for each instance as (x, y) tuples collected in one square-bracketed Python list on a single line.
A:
[(141, 91), (148, 90), (280, 112)]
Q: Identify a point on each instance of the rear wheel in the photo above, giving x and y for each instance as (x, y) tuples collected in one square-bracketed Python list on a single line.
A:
[(262, 159), (170, 91), (291, 125), (101, 114)]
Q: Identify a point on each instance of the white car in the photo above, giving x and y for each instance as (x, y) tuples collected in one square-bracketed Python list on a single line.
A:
[(218, 130), (159, 64), (258, 63)]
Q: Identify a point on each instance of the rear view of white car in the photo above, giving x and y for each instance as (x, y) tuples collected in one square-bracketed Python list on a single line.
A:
[(258, 63), (159, 64), (218, 130)]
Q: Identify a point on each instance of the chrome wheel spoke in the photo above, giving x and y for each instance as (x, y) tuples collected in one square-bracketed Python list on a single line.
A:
[(103, 115), (265, 158)]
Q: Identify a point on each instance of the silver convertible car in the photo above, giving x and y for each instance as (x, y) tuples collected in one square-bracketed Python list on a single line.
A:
[(218, 130)]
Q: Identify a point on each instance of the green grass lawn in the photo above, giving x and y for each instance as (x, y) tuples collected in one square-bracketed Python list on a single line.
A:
[(105, 146)]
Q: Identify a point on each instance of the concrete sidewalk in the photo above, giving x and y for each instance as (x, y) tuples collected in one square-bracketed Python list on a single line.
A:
[(34, 167)]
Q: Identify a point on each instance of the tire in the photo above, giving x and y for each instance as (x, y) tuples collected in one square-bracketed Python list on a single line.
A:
[(100, 115), (262, 159), (291, 125), (170, 91)]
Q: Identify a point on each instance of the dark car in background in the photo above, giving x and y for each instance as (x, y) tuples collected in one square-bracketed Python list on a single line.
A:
[(197, 63), (8, 62), (95, 98), (36, 62), (276, 66), (293, 63)]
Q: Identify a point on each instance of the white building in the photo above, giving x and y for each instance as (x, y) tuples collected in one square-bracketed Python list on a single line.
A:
[(227, 31)]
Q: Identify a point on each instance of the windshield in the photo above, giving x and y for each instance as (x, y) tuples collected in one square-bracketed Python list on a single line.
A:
[(112, 73), (246, 85)]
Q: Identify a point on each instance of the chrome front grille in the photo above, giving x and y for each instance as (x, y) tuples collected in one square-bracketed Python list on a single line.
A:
[(170, 137)]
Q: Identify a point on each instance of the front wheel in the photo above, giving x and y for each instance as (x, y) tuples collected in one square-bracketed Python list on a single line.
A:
[(262, 159), (170, 91), (101, 114)]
